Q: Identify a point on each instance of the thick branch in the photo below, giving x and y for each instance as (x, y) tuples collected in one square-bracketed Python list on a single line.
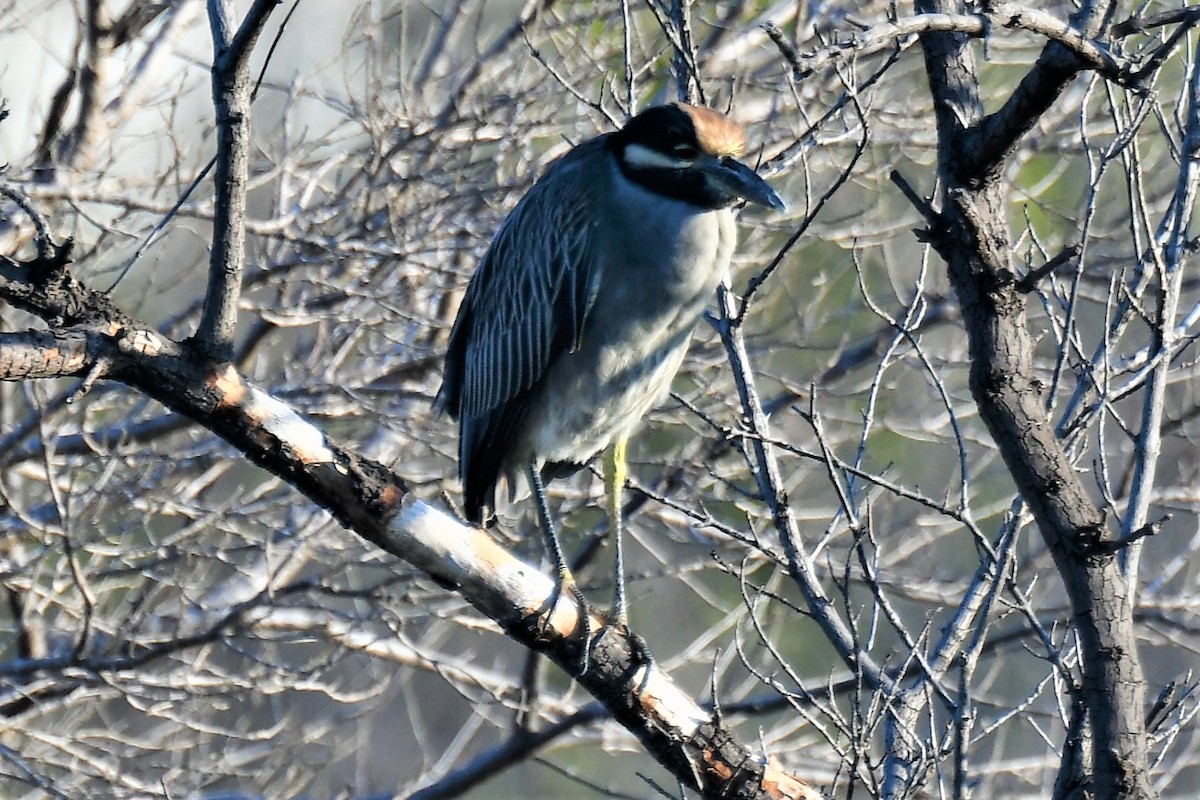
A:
[(971, 235), (1090, 53), (45, 354), (231, 98), (46, 289), (372, 501), (996, 136)]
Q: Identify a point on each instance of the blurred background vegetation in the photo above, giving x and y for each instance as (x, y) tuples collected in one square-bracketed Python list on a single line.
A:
[(181, 624)]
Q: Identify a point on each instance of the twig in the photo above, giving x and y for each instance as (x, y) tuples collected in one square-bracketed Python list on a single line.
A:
[(191, 187), (765, 467), (687, 71), (99, 369), (519, 746), (563, 82), (45, 245), (1031, 280), (785, 47), (922, 205), (761, 277), (162, 223), (1117, 545), (672, 22), (627, 54)]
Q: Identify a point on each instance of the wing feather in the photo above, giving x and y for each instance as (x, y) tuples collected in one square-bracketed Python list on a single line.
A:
[(527, 304)]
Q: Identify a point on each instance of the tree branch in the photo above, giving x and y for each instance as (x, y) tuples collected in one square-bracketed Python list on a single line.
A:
[(1090, 53), (971, 236), (372, 501), (231, 93), (46, 354), (765, 468)]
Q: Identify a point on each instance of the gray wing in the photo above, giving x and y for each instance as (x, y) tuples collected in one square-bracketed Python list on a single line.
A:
[(526, 305)]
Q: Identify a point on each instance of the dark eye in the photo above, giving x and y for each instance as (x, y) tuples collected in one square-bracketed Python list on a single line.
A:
[(686, 151)]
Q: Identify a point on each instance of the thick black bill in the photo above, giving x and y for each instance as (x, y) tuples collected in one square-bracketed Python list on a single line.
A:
[(741, 181)]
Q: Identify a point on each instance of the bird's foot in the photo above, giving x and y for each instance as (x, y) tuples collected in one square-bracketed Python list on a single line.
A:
[(589, 635), (566, 582), (639, 652)]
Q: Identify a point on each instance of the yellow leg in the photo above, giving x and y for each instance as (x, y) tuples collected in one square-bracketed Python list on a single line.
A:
[(615, 471)]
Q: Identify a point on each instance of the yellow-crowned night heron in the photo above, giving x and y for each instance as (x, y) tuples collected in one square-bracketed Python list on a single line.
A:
[(581, 310)]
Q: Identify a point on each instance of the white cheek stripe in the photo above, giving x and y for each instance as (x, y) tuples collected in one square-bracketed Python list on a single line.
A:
[(641, 157)]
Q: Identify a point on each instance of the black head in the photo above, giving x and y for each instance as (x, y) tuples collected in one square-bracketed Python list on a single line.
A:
[(690, 153)]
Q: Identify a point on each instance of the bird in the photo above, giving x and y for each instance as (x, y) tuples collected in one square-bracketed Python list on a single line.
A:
[(580, 312)]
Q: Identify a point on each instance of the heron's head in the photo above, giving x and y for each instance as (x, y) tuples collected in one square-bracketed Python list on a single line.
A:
[(691, 154)]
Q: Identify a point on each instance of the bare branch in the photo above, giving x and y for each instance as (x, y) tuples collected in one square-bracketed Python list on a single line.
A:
[(766, 473), (1175, 232), (1186, 16), (828, 527), (369, 499), (972, 239), (45, 354), (41, 232), (1031, 280), (231, 93), (519, 746), (1091, 54)]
